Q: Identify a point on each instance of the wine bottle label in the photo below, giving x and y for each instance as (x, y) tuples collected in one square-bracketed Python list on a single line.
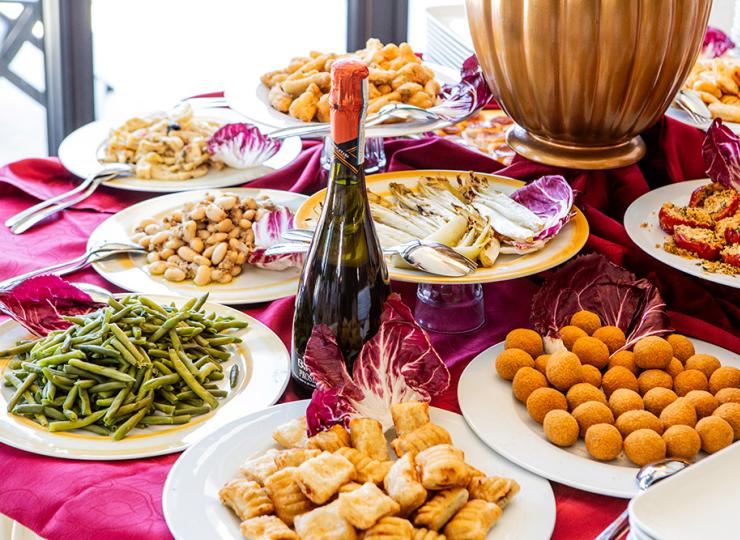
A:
[(348, 105)]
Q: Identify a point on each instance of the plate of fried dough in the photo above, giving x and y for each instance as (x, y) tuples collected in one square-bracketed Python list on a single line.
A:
[(262, 477)]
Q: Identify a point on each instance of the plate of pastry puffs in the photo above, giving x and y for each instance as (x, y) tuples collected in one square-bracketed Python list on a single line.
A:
[(262, 478)]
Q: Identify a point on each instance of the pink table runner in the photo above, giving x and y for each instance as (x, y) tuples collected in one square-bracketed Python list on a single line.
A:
[(62, 499)]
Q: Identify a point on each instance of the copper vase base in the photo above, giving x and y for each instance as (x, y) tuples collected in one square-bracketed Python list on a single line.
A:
[(573, 156)]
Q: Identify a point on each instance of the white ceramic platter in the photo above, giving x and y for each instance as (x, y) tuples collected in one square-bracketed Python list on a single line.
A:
[(78, 154), (641, 222), (503, 424), (128, 271), (193, 511), (684, 117), (264, 371)]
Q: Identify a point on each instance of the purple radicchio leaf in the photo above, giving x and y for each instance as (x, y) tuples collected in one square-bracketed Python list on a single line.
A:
[(267, 232), (721, 153), (470, 94), (716, 43), (40, 302), (242, 146), (397, 364), (591, 282)]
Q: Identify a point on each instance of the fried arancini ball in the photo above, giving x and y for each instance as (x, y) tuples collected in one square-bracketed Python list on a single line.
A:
[(509, 361), (583, 392), (634, 420), (590, 413), (569, 335), (525, 339), (682, 346), (618, 377), (704, 402), (561, 428), (688, 380), (611, 336), (591, 375), (674, 367), (591, 351), (624, 359), (540, 363), (706, 363), (542, 401), (603, 442), (588, 321), (563, 370), (728, 395), (623, 400), (724, 377), (644, 446), (681, 442), (730, 412), (715, 432), (657, 399), (653, 378), (680, 412), (652, 352), (526, 381)]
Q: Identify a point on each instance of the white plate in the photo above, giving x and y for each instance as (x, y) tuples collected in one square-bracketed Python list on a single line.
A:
[(567, 243), (127, 271), (246, 94), (683, 116), (264, 371), (78, 155), (641, 223), (512, 433), (193, 511), (699, 502)]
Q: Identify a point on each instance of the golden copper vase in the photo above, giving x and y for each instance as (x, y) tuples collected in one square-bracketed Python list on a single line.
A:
[(582, 78)]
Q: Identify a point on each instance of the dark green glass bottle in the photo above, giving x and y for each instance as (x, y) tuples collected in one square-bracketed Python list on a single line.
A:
[(344, 281)]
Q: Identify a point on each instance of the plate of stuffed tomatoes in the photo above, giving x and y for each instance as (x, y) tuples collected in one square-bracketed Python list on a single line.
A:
[(692, 226)]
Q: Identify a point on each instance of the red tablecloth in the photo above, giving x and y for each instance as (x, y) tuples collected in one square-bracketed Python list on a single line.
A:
[(63, 499)]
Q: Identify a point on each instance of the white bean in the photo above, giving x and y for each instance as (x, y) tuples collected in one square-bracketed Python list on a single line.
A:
[(236, 270), (146, 222), (208, 251), (186, 253), (202, 275), (198, 213), (216, 238), (261, 212), (176, 216), (241, 258), (227, 203), (249, 237), (249, 214), (174, 259), (174, 274), (189, 230), (152, 257), (225, 278), (145, 242), (203, 234), (157, 268), (235, 232), (174, 243), (219, 253), (225, 225), (138, 236), (245, 223), (215, 213), (216, 274), (166, 253), (251, 203), (152, 228), (160, 237), (196, 244), (201, 260)]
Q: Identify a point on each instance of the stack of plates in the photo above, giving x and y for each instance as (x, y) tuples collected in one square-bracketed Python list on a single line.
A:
[(699, 502), (448, 36)]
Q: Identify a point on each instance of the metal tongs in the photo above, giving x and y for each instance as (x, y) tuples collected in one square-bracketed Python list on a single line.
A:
[(689, 102)]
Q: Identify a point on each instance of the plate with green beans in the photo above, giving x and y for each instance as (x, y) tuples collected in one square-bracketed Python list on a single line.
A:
[(141, 376)]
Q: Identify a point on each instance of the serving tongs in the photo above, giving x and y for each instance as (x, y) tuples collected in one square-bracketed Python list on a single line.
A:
[(691, 103)]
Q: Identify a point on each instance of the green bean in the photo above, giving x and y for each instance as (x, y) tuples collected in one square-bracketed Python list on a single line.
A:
[(206, 370), (115, 304), (21, 390), (61, 358), (85, 407), (132, 320), (151, 304), (189, 394), (188, 364), (104, 402), (151, 384), (216, 376), (69, 402), (189, 379), (166, 420), (91, 339), (28, 408), (123, 339), (128, 425), (54, 413), (114, 406), (55, 402), (85, 384), (57, 380), (98, 430), (74, 319), (158, 353), (175, 339), (188, 332), (121, 314), (230, 324), (76, 424), (169, 396), (136, 331), (223, 340), (194, 411), (89, 327), (107, 386), (71, 370), (101, 370), (168, 325), (191, 402), (96, 349), (188, 305), (199, 302), (32, 367), (135, 406), (159, 366), (233, 375), (217, 353), (18, 349), (125, 353), (164, 407)]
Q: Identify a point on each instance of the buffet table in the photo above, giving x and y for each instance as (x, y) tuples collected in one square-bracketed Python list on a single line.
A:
[(62, 499)]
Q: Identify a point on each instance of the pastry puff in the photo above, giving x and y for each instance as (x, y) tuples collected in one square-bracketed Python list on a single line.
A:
[(443, 466), (366, 468), (367, 436), (246, 498), (403, 484), (364, 506), (321, 477), (420, 439), (287, 497), (291, 434), (266, 528), (409, 415), (473, 521), (259, 468), (294, 457), (330, 440), (439, 509), (493, 489), (325, 523), (426, 534), (390, 528)]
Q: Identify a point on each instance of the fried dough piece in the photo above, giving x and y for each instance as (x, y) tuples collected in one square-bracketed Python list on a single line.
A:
[(279, 99), (246, 498), (443, 466), (260, 467), (323, 110), (367, 436), (409, 415), (321, 477), (304, 107), (493, 489), (426, 534), (403, 484), (366, 468), (349, 486), (287, 497), (325, 523), (420, 439), (439, 509), (364, 506), (266, 528), (473, 521), (330, 440), (295, 456), (390, 528), (291, 434)]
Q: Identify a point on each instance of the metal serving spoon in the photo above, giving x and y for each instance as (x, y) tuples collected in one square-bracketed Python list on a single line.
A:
[(691, 103), (646, 477)]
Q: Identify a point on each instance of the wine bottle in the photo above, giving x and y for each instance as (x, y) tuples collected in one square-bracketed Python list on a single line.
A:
[(344, 281)]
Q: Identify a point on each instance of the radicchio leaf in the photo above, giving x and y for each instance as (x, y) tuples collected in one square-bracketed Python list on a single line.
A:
[(470, 94), (716, 43), (397, 364), (242, 146), (591, 282), (721, 153), (268, 230), (551, 198), (38, 303)]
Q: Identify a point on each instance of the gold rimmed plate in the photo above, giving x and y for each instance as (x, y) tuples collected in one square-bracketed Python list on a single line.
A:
[(567, 243)]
